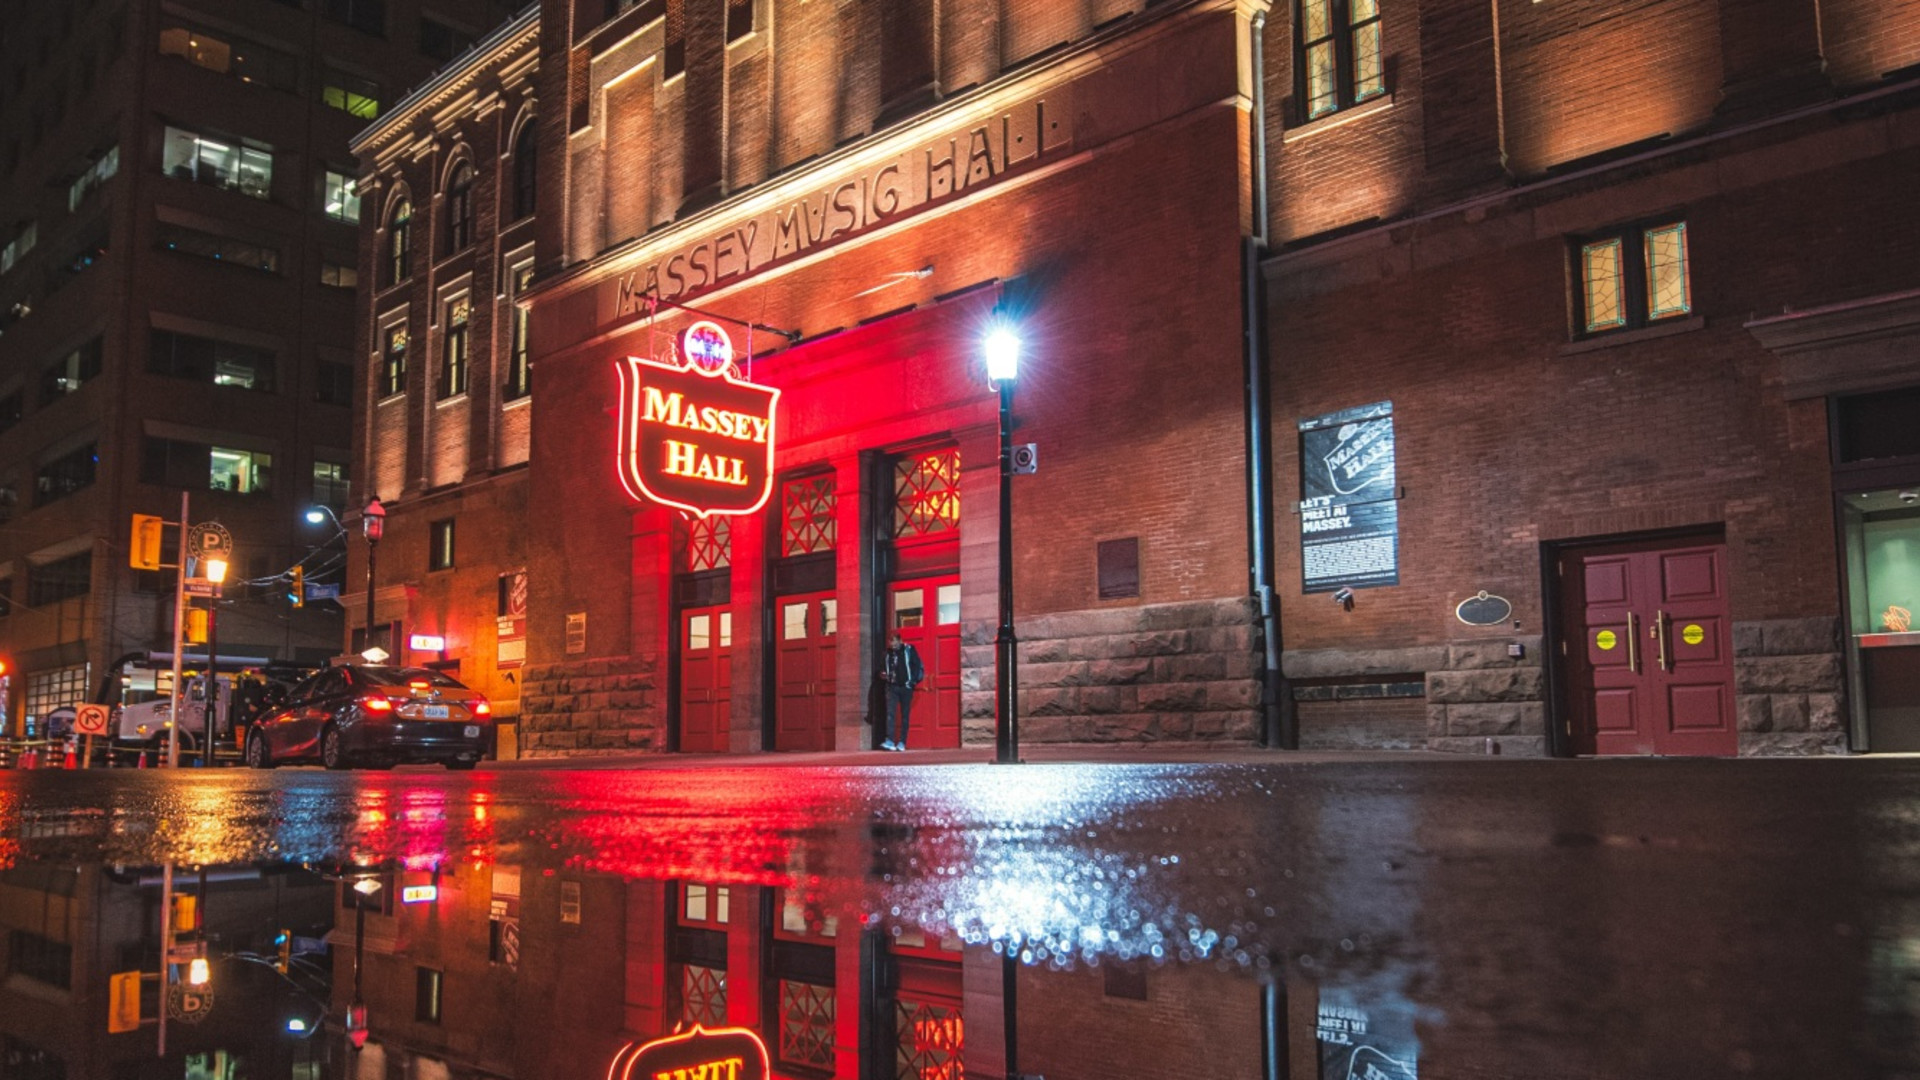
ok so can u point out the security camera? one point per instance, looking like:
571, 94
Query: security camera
1343, 596
1910, 497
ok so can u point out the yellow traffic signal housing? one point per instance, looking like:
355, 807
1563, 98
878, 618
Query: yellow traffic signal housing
145, 554
123, 1002
196, 626
186, 913
285, 940
297, 590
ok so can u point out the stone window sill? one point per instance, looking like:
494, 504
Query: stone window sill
1629, 337
1337, 120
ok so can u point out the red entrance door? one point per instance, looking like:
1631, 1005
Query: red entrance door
926, 611
804, 671
706, 679
1650, 649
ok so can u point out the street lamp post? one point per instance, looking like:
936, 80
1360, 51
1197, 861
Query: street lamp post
373, 521
1003, 364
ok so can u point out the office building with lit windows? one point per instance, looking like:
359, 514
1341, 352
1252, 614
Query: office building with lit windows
177, 270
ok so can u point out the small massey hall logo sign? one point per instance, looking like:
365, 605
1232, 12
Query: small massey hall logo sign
700, 1054
693, 435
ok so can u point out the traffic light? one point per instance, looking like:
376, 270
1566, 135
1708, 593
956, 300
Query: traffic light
145, 553
297, 587
284, 940
196, 628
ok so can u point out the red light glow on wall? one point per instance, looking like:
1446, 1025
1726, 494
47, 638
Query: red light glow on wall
700, 1054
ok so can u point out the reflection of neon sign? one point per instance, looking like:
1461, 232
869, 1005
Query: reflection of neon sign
700, 1054
693, 435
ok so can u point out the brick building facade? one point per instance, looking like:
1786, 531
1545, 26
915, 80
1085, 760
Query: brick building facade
1442, 241
1539, 281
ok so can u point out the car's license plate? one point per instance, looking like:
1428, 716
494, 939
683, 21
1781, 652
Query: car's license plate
473, 731
435, 712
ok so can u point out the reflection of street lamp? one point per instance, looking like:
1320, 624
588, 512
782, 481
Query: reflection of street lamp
373, 522
1002, 349
366, 887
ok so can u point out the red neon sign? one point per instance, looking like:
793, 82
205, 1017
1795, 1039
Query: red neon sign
701, 1054
693, 435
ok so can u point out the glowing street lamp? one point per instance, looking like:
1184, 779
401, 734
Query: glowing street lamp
1002, 349
373, 524
197, 972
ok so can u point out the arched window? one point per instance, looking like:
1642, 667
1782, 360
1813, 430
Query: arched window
400, 244
460, 207
526, 172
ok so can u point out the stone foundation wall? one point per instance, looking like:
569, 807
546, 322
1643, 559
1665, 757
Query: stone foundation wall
593, 707
1184, 672
1788, 682
1482, 692
1452, 697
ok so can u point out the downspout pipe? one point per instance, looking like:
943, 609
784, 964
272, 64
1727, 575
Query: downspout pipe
1279, 728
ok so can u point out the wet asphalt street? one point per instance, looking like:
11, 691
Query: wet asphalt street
1587, 919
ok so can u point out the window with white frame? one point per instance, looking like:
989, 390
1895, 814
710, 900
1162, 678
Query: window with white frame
341, 198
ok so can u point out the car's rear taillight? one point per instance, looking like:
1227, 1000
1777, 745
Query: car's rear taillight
376, 703
481, 708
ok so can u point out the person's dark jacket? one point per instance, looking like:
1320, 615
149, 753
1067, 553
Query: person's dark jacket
903, 666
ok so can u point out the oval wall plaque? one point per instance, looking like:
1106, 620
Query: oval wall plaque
1483, 609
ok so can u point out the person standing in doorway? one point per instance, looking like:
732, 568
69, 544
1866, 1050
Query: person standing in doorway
903, 672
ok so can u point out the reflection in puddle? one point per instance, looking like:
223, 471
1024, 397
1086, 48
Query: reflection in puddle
1161, 922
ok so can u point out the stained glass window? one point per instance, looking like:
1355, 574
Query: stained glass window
453, 359
1601, 286
1369, 68
393, 375
1633, 276
806, 1025
1341, 55
400, 244
806, 514
705, 543
1668, 291
928, 1038
926, 494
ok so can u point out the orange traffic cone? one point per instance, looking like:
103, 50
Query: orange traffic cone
73, 759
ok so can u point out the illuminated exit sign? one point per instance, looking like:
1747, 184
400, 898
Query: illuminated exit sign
693, 434
419, 894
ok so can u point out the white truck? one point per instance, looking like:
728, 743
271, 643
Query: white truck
144, 724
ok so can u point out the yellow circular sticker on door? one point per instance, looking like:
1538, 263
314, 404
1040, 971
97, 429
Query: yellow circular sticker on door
1693, 634
1606, 640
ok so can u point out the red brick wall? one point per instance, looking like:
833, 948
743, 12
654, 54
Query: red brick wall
1580, 78
1865, 39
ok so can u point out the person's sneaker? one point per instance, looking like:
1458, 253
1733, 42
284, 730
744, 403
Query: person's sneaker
887, 744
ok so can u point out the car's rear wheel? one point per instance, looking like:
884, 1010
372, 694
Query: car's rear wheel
259, 756
333, 749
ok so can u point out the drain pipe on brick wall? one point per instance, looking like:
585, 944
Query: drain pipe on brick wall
1279, 727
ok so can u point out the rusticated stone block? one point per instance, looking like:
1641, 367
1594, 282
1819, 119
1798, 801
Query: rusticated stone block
1747, 639
1497, 684
1791, 743
1755, 712
1520, 746
1106, 699
1046, 701
1197, 667
1050, 674
1789, 712
1042, 729
1173, 696
1043, 651
1814, 673
1163, 643
1336, 663
1232, 695
1119, 672
976, 704
1786, 637
1825, 712
1436, 721
1468, 655
1497, 718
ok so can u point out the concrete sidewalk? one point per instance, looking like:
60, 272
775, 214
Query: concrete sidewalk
1042, 754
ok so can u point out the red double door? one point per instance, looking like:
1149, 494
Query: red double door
706, 679
926, 611
1650, 649
807, 628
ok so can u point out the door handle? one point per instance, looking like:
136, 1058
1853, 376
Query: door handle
1633, 643
1660, 637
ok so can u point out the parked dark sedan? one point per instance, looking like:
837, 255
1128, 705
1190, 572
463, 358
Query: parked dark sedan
373, 715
